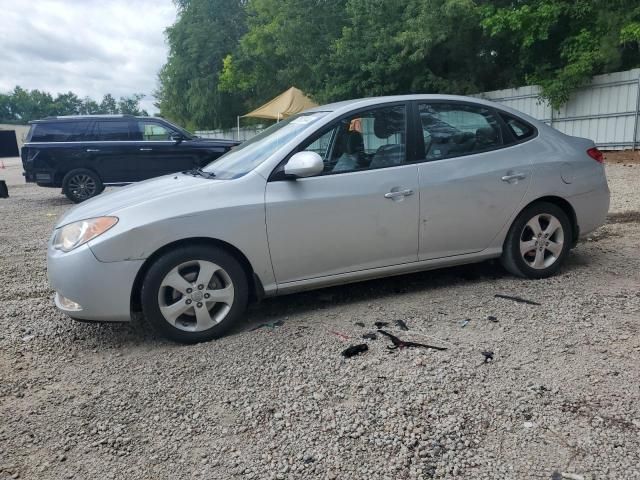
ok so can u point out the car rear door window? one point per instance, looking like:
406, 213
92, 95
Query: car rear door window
371, 139
451, 130
58, 132
111, 131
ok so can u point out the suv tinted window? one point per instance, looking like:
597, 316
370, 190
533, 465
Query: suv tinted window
519, 129
58, 132
451, 130
110, 130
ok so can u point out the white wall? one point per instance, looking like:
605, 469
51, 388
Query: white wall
605, 111
21, 131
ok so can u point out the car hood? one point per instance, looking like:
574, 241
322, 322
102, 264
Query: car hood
136, 194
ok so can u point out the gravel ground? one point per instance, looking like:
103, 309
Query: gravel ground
560, 397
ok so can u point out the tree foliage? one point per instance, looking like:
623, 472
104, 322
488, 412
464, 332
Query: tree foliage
21, 105
204, 34
231, 59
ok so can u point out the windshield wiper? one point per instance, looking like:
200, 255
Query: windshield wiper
198, 172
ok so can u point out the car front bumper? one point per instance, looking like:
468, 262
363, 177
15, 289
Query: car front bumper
102, 290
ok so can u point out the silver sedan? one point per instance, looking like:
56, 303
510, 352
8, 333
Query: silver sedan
341, 193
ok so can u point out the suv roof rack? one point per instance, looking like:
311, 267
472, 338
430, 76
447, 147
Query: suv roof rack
62, 117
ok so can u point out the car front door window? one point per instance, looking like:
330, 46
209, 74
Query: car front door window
364, 141
154, 132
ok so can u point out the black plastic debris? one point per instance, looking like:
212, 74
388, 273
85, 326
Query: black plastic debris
556, 475
397, 343
493, 319
488, 355
370, 336
270, 325
354, 350
381, 324
402, 325
517, 299
4, 191
360, 324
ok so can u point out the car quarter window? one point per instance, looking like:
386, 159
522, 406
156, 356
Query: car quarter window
153, 131
366, 140
111, 131
451, 129
519, 129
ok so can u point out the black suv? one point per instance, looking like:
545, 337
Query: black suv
82, 154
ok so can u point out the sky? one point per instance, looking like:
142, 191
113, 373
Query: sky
89, 47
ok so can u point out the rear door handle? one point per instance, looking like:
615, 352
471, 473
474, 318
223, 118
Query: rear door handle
93, 149
146, 149
399, 193
514, 176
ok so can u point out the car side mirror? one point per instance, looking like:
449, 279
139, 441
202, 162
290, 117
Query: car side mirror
304, 164
177, 137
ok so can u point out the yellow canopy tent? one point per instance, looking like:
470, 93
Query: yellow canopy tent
284, 105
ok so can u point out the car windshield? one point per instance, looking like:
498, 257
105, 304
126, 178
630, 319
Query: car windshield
242, 159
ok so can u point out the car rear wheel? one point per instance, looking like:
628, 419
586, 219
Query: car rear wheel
194, 294
538, 241
81, 184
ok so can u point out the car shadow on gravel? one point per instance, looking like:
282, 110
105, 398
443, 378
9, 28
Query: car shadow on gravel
371, 290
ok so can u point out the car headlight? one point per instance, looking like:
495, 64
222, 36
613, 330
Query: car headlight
78, 233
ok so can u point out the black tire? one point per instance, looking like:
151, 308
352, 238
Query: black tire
517, 263
153, 291
81, 184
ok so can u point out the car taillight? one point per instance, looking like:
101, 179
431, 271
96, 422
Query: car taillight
596, 154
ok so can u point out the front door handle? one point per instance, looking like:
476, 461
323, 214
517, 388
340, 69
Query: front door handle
93, 150
399, 193
514, 176
146, 149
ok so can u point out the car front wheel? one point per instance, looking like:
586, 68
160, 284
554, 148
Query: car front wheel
538, 241
194, 293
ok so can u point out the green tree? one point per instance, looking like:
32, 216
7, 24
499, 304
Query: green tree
108, 105
288, 43
561, 44
22, 106
205, 32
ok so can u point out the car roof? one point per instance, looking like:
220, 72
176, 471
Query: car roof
348, 105
75, 118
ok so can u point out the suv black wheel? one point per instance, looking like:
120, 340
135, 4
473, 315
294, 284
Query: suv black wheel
194, 293
538, 241
81, 184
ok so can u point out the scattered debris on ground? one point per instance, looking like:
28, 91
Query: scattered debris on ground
354, 350
269, 325
488, 356
370, 336
402, 325
517, 299
399, 344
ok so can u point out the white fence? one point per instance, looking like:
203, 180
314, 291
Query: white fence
606, 111
245, 133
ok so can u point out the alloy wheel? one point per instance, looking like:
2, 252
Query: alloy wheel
541, 241
82, 186
196, 295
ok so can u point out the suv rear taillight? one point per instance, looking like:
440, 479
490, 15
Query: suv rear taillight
596, 154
